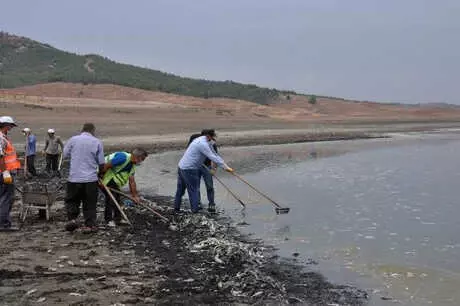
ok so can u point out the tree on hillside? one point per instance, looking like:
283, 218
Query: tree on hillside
27, 62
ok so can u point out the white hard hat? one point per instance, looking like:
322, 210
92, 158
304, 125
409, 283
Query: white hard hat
7, 120
51, 131
26, 130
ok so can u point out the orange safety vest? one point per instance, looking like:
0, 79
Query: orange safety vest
10, 158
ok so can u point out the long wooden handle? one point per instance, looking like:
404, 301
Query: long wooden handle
256, 190
25, 157
225, 186
231, 192
116, 203
60, 161
145, 206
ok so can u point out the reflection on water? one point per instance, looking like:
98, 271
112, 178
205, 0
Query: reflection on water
384, 217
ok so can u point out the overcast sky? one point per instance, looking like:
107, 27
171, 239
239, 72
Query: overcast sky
384, 50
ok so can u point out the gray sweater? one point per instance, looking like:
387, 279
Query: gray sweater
52, 145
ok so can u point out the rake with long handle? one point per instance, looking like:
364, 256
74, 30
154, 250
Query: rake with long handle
116, 202
278, 208
226, 187
145, 206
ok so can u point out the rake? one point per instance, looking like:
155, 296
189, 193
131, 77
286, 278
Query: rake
226, 187
171, 226
116, 202
278, 208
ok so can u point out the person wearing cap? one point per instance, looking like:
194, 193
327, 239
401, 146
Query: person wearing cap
31, 150
207, 170
188, 173
9, 164
86, 162
52, 145
119, 170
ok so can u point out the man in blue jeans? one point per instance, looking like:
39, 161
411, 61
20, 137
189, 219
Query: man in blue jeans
188, 173
206, 172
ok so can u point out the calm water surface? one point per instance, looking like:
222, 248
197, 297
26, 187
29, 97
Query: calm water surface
379, 214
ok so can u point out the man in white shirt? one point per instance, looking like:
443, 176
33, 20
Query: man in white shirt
188, 173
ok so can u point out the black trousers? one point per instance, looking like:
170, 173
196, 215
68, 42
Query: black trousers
52, 161
31, 165
111, 211
82, 193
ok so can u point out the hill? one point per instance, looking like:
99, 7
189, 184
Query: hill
27, 62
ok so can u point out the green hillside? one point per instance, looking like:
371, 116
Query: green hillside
26, 62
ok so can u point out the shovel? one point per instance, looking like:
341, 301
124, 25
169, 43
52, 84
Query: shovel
60, 161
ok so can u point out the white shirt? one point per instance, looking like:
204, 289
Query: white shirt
196, 153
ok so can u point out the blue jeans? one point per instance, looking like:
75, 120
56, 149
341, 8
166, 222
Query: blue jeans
208, 182
6, 202
188, 179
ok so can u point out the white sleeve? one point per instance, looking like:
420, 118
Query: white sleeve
67, 148
206, 150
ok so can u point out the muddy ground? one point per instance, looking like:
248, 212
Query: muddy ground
201, 260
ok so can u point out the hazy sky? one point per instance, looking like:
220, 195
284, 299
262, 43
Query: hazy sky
385, 50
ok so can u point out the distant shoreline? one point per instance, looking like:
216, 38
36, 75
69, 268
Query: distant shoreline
162, 143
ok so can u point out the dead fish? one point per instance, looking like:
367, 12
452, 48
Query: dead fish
218, 260
259, 293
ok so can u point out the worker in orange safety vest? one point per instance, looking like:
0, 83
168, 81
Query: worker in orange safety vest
9, 164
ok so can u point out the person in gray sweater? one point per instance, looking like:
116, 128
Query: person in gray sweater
53, 147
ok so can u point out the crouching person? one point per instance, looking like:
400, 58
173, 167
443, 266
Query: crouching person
119, 170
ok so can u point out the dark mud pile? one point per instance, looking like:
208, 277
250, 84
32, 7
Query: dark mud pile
201, 260
206, 261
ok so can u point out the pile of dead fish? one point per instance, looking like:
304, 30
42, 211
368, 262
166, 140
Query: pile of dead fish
207, 261
237, 265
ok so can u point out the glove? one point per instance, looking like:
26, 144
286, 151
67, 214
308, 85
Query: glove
7, 178
128, 203
228, 169
137, 199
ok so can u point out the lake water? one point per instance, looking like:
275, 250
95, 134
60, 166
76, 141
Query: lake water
379, 214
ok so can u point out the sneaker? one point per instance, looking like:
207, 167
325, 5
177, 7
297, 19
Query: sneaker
111, 224
122, 223
89, 229
71, 226
9, 229
212, 208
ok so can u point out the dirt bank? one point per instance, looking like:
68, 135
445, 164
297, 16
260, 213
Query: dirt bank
160, 143
205, 261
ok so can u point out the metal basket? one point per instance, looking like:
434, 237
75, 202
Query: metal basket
37, 196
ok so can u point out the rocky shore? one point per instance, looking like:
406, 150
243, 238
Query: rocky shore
201, 260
